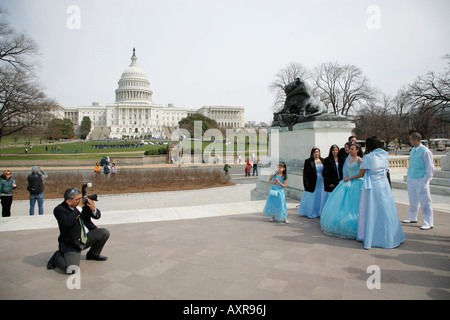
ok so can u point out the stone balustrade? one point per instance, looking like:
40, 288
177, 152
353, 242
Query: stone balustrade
403, 161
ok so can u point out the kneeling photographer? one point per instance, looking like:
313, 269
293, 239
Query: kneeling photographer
77, 231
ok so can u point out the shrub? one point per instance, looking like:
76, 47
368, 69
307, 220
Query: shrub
156, 151
125, 181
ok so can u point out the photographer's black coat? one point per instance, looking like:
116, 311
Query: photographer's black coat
70, 230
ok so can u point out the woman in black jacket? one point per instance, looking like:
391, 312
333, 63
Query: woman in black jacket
331, 176
314, 196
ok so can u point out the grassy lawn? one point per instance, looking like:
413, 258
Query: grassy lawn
9, 141
81, 147
79, 156
85, 150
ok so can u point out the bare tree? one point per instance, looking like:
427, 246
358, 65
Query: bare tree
432, 91
343, 87
326, 80
286, 75
380, 119
422, 106
16, 49
402, 104
23, 102
425, 120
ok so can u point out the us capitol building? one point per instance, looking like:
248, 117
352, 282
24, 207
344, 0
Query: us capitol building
134, 112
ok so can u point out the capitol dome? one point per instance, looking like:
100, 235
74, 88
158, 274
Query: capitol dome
134, 86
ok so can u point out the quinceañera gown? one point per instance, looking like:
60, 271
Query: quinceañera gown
378, 225
339, 216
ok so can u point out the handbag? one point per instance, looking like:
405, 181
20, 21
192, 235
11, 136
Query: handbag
273, 193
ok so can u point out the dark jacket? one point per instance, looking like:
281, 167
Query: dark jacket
341, 159
330, 174
35, 183
69, 226
310, 174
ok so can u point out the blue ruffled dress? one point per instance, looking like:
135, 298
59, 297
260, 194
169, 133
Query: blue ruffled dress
276, 204
378, 225
312, 202
340, 213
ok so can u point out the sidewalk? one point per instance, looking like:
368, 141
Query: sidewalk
150, 206
160, 206
440, 202
169, 247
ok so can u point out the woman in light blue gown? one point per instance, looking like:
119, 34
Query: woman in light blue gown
340, 213
275, 207
314, 196
378, 224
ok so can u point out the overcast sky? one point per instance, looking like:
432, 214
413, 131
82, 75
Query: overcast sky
226, 52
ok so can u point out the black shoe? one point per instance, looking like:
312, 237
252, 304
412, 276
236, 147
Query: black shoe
51, 263
96, 258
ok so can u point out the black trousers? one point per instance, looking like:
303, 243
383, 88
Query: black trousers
6, 205
96, 241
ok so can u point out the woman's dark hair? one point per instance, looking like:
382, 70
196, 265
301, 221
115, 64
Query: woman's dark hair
281, 163
330, 154
358, 147
312, 152
372, 143
347, 144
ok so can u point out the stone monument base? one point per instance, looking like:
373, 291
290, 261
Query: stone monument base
445, 162
293, 145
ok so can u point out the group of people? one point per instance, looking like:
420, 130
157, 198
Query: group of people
35, 188
77, 231
351, 192
249, 166
104, 163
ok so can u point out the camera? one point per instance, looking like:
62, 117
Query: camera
93, 197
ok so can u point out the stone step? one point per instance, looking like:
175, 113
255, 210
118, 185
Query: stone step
441, 174
440, 182
109, 217
434, 189
100, 133
440, 178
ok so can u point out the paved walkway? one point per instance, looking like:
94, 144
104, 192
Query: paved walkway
165, 246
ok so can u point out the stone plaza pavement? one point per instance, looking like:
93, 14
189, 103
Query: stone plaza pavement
164, 245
